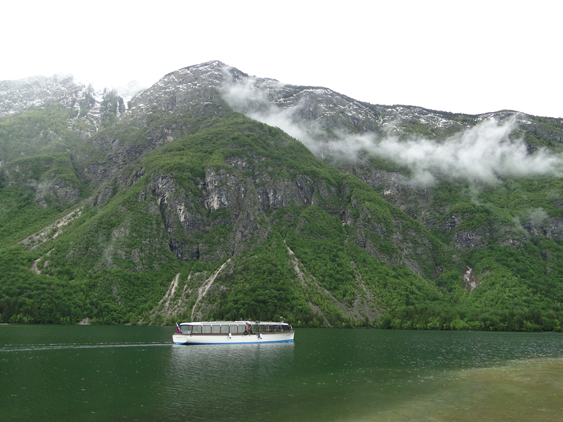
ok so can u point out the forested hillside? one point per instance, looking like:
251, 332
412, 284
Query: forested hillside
217, 195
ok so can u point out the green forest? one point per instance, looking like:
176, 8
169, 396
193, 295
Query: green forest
96, 230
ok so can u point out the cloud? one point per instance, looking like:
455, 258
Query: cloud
243, 95
254, 98
483, 153
537, 216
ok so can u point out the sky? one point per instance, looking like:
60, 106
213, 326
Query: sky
467, 57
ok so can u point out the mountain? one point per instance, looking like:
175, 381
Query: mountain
218, 195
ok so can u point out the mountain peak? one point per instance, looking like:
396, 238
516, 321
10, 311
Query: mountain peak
210, 66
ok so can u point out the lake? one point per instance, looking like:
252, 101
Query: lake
120, 373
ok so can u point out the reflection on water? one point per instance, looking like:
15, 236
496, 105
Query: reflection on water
224, 382
65, 373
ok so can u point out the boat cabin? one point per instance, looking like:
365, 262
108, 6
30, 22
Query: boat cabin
234, 327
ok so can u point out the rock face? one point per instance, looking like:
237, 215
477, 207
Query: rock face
469, 280
18, 96
89, 109
229, 215
54, 190
50, 178
206, 91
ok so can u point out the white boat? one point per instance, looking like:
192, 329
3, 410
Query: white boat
233, 332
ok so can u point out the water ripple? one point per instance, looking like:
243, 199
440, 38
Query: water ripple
66, 346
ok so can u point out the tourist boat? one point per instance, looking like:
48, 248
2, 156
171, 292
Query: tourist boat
233, 332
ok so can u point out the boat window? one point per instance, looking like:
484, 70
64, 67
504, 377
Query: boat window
185, 329
224, 329
206, 329
241, 328
216, 329
197, 329
233, 329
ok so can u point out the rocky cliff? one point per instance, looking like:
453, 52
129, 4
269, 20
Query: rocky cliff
216, 194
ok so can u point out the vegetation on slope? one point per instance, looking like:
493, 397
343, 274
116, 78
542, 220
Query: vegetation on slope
284, 234
38, 131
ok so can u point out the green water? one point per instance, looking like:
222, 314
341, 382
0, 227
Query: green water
116, 373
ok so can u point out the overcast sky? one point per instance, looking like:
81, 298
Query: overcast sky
470, 57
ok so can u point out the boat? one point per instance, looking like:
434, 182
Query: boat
233, 332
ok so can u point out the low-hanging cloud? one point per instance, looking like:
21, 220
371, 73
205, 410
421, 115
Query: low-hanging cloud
483, 153
254, 98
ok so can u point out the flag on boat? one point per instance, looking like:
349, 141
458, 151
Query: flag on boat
178, 329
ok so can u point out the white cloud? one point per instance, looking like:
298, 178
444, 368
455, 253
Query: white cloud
482, 153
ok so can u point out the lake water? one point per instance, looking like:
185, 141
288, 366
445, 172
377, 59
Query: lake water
120, 373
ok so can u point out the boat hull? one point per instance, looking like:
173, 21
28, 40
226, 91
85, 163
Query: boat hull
187, 339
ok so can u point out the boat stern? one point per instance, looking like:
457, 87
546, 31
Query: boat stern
179, 338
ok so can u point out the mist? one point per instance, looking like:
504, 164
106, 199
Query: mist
484, 153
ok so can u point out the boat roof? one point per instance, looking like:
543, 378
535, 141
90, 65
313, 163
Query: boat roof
234, 323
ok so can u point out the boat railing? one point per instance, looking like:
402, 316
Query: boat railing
234, 329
